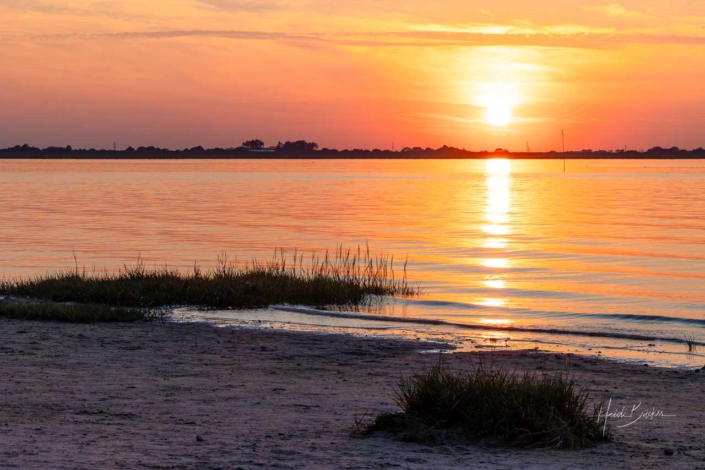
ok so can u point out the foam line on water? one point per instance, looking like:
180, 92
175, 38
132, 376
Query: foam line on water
527, 312
473, 326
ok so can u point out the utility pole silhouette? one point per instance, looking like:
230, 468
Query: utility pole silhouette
114, 146
563, 139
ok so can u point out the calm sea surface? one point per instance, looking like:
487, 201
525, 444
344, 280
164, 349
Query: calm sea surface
608, 258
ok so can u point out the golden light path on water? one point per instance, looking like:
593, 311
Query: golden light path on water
498, 216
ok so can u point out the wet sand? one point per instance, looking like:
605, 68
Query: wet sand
183, 396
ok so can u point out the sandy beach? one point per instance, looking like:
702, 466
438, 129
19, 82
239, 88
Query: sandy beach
180, 396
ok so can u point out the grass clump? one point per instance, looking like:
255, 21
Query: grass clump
691, 343
82, 313
347, 278
525, 410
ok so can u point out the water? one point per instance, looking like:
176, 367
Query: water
608, 257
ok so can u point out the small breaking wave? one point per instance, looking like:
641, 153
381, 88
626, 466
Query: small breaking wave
543, 314
476, 326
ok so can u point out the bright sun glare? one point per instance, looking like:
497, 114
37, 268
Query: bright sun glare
499, 99
498, 167
499, 114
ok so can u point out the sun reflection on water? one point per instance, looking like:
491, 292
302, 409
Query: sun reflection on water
497, 213
493, 302
495, 243
496, 263
496, 283
499, 166
495, 321
496, 229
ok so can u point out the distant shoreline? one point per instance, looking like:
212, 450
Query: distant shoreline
302, 150
352, 156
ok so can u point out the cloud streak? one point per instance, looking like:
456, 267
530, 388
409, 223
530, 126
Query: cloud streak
615, 10
246, 5
97, 8
404, 38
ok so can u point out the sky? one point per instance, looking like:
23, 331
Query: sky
353, 74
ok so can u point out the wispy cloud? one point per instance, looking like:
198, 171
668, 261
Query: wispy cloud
616, 10
229, 34
410, 38
608, 39
518, 27
97, 10
247, 5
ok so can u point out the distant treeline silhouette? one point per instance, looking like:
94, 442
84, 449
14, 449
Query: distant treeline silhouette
256, 148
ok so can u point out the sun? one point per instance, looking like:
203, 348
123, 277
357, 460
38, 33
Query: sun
499, 100
498, 114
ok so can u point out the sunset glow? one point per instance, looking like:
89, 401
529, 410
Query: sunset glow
499, 99
352, 75
292, 233
499, 114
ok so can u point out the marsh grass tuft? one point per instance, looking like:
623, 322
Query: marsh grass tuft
691, 343
525, 410
81, 313
345, 278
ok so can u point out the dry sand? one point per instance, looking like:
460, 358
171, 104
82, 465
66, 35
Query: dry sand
138, 395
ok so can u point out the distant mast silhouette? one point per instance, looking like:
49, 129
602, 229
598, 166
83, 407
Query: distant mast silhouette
563, 139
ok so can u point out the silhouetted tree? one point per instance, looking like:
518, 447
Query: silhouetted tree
253, 144
298, 146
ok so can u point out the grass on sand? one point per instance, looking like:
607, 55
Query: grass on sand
524, 410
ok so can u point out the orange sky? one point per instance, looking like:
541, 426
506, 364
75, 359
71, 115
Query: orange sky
348, 74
